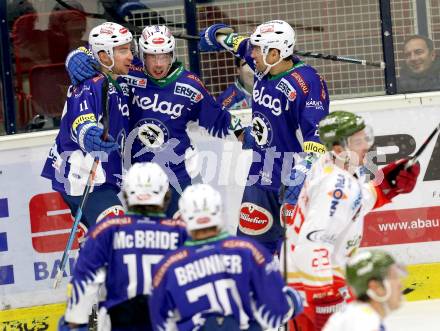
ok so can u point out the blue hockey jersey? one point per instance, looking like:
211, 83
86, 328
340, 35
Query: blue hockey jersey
286, 110
235, 97
120, 253
160, 113
68, 164
221, 276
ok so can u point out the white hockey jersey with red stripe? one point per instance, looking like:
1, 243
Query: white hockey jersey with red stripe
327, 224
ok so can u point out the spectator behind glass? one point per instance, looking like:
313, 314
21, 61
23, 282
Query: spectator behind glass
421, 70
239, 94
66, 28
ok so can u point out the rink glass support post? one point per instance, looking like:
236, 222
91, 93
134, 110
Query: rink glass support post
387, 46
422, 18
191, 29
6, 71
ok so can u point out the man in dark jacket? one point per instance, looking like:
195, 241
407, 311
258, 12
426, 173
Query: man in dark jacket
421, 70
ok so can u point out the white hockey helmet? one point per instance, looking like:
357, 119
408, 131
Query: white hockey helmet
156, 39
145, 184
200, 207
274, 34
106, 36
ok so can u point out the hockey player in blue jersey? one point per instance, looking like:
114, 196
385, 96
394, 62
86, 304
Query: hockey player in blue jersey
217, 281
164, 99
239, 94
80, 137
119, 253
289, 99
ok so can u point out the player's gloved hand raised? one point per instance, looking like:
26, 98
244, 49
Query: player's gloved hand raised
93, 141
295, 301
81, 66
208, 37
65, 326
395, 180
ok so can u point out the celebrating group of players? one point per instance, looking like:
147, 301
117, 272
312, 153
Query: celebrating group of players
167, 262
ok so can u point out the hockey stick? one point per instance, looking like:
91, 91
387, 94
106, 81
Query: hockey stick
404, 166
89, 185
314, 55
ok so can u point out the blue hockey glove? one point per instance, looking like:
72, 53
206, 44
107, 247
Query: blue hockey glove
294, 300
208, 40
248, 138
64, 326
296, 181
92, 141
81, 65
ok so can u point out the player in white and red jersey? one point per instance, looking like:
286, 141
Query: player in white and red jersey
327, 224
376, 279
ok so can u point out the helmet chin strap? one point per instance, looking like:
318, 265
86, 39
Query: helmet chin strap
269, 66
110, 67
351, 168
383, 300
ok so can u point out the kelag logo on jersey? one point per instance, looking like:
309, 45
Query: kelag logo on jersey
261, 130
156, 105
268, 101
152, 133
188, 91
288, 90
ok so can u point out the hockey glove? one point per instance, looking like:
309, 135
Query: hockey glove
81, 65
295, 301
65, 326
92, 141
208, 37
248, 138
396, 180
296, 180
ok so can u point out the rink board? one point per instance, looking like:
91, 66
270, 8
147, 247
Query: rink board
423, 282
35, 318
34, 224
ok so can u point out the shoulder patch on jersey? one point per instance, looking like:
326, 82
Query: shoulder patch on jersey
301, 82
105, 224
175, 257
188, 91
197, 79
239, 243
82, 119
172, 222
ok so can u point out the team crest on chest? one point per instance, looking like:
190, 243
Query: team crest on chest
152, 133
262, 130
